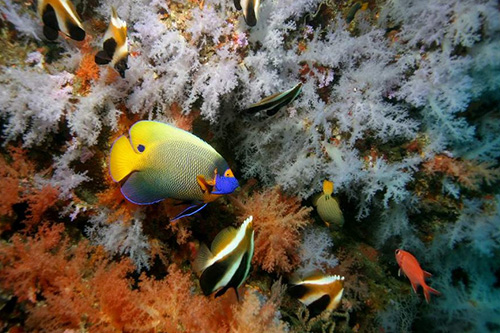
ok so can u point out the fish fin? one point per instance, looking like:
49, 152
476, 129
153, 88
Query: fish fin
193, 209
315, 199
102, 58
427, 293
223, 238
139, 190
207, 186
237, 4
249, 13
327, 187
427, 274
414, 286
294, 279
74, 31
399, 272
123, 159
202, 258
237, 294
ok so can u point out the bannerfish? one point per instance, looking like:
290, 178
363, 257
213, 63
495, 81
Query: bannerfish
272, 104
158, 161
115, 46
250, 10
411, 268
60, 15
328, 207
227, 264
318, 292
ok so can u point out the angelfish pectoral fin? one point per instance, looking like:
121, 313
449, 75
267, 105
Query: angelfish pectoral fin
189, 211
207, 186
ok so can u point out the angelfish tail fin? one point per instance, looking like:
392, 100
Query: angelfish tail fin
427, 292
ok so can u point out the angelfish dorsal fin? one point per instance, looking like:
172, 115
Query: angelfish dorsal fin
223, 239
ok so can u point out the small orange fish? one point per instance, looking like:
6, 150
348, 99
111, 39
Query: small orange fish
411, 268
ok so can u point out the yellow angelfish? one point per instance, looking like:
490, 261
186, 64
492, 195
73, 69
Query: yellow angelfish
159, 161
328, 207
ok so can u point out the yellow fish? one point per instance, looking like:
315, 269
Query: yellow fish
227, 264
328, 207
318, 292
115, 46
159, 161
60, 15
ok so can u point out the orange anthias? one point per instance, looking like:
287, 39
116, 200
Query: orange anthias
411, 268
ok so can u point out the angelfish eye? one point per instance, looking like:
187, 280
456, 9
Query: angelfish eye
140, 148
228, 173
397, 251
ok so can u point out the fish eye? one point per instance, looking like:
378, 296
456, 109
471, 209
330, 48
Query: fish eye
397, 251
228, 173
141, 148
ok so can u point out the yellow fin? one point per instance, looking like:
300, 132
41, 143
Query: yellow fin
328, 187
123, 159
223, 239
203, 258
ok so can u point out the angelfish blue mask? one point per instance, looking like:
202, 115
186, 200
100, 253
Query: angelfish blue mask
226, 183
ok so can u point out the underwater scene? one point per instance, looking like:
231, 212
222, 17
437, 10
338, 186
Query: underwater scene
249, 166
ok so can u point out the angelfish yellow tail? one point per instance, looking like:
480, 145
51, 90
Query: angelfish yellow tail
123, 159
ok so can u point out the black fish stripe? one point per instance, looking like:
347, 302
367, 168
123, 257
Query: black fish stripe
75, 32
299, 291
49, 17
110, 46
237, 4
102, 58
250, 18
319, 305
212, 275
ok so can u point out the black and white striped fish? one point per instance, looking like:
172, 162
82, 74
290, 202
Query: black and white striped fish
60, 15
318, 292
272, 104
227, 264
115, 46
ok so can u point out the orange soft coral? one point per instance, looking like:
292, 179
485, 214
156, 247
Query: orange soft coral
277, 220
67, 286
469, 173
88, 71
13, 174
17, 185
